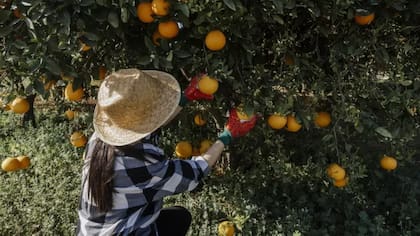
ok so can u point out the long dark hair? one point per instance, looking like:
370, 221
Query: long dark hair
101, 173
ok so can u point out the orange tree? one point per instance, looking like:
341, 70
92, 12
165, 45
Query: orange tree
355, 60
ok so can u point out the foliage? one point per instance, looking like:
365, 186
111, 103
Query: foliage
285, 56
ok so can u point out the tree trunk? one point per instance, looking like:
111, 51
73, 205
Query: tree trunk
30, 116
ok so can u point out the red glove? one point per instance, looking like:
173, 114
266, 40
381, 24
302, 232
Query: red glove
238, 127
192, 92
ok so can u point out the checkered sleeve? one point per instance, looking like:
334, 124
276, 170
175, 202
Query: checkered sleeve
178, 176
163, 177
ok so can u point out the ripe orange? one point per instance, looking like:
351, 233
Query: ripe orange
69, 114
84, 47
168, 29
17, 13
156, 37
24, 162
323, 119
288, 60
388, 163
160, 7
198, 120
73, 95
49, 84
78, 139
336, 172
183, 149
10, 164
226, 228
361, 19
205, 145
215, 40
144, 12
341, 182
292, 124
195, 151
208, 85
101, 72
276, 121
20, 105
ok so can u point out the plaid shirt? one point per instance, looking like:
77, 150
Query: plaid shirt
139, 187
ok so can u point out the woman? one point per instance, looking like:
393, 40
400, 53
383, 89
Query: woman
126, 175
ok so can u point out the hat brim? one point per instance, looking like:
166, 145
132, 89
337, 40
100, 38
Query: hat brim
166, 104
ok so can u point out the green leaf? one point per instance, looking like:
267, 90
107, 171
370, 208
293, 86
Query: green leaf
125, 15
4, 15
278, 5
85, 3
384, 132
20, 44
182, 54
52, 66
183, 8
91, 36
230, 4
144, 60
113, 19
4, 31
29, 23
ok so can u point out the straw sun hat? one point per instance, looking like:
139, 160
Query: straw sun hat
132, 104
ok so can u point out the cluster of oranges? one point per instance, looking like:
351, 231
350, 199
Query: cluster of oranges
15, 163
185, 149
277, 121
19, 105
169, 28
338, 174
340, 178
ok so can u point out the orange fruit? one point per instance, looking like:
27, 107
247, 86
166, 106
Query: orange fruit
101, 72
183, 149
276, 121
69, 114
215, 40
73, 95
288, 60
292, 124
17, 13
20, 105
341, 182
208, 85
242, 115
195, 151
168, 29
49, 84
156, 37
205, 145
10, 164
7, 107
160, 7
362, 19
198, 120
388, 163
24, 162
226, 228
322, 119
78, 139
336, 172
144, 12
84, 47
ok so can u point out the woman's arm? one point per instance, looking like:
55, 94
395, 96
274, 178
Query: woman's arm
214, 153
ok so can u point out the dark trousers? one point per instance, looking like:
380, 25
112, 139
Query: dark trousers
173, 221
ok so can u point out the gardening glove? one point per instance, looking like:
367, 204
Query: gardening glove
236, 127
192, 93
